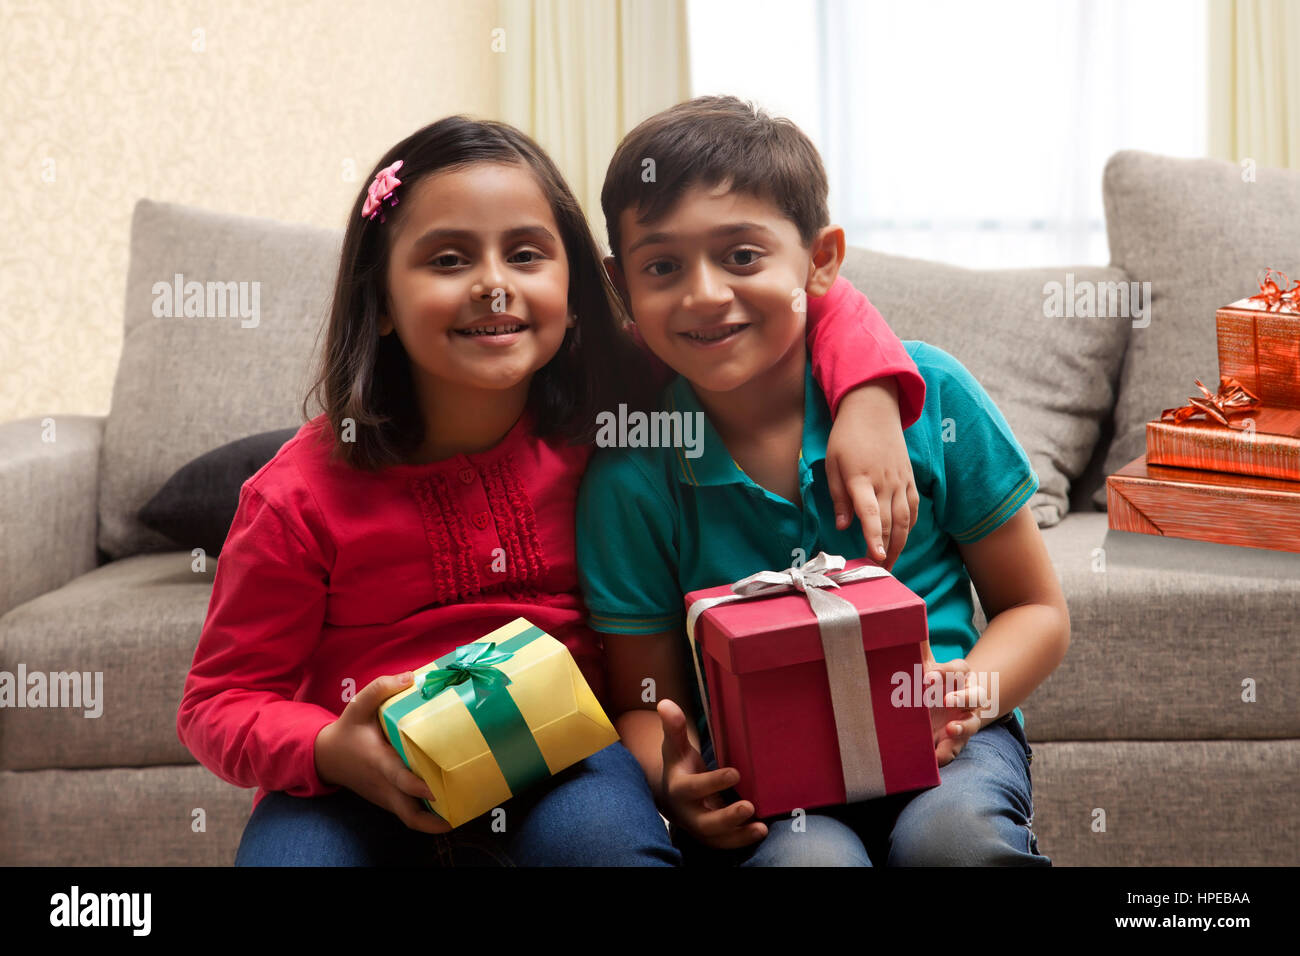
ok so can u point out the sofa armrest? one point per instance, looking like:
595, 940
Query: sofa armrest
49, 504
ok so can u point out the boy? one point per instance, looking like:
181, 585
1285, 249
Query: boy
731, 183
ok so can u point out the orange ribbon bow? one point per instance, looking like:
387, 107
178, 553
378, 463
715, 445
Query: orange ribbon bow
1277, 297
1231, 398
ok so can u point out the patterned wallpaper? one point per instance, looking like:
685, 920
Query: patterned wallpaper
260, 109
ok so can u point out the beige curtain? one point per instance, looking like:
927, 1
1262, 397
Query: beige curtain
1254, 81
579, 74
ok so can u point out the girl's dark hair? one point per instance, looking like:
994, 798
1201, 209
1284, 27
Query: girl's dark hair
366, 377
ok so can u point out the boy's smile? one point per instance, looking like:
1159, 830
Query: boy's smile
713, 286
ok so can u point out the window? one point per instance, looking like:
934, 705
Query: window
968, 133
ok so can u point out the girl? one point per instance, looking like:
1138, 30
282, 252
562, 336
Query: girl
472, 331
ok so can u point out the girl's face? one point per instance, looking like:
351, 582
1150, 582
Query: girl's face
478, 281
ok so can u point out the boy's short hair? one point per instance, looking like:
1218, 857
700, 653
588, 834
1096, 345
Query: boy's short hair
707, 141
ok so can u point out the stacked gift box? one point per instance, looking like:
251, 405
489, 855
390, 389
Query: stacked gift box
1225, 467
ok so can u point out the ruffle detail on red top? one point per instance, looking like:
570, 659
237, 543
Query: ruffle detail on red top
455, 577
455, 567
516, 524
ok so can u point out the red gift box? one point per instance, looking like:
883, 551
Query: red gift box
772, 704
1204, 505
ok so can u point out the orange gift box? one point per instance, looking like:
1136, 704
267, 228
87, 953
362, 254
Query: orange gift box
1259, 346
1204, 505
1263, 442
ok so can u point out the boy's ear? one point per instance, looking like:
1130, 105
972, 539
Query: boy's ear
827, 256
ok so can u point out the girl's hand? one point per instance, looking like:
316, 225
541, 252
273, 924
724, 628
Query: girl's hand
953, 724
691, 790
869, 471
353, 752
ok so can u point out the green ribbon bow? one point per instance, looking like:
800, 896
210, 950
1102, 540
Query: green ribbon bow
471, 669
475, 663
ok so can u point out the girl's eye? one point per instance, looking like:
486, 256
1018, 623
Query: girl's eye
747, 252
537, 256
652, 266
441, 260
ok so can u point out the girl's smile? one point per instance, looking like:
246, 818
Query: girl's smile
497, 332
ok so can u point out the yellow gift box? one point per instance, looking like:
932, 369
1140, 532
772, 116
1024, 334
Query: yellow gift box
494, 717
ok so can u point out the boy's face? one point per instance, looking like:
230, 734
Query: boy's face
714, 284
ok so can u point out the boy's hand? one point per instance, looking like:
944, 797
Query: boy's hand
869, 470
953, 724
691, 790
353, 752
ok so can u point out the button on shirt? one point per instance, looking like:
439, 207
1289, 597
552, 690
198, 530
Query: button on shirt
654, 524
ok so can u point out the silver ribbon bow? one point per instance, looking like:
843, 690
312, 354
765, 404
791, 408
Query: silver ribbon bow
846, 661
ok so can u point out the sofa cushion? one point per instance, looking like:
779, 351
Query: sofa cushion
197, 505
186, 385
1210, 803
136, 622
122, 816
1166, 637
1054, 379
1200, 232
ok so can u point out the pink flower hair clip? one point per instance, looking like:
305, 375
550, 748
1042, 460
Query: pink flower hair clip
382, 188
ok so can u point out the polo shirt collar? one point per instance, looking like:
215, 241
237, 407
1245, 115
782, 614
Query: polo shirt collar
715, 466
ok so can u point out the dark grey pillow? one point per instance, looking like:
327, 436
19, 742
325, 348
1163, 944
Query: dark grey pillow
1053, 379
197, 504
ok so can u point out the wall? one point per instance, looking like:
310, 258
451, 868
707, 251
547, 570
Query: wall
258, 109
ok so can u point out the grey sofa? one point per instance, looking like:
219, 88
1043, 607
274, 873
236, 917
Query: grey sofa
1169, 735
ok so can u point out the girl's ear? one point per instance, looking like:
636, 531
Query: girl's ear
385, 324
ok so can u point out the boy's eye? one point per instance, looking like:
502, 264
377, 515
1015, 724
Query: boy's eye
747, 252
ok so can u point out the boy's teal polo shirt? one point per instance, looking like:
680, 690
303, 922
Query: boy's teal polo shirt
654, 524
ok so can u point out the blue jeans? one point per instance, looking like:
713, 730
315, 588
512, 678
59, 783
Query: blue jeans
979, 815
599, 812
